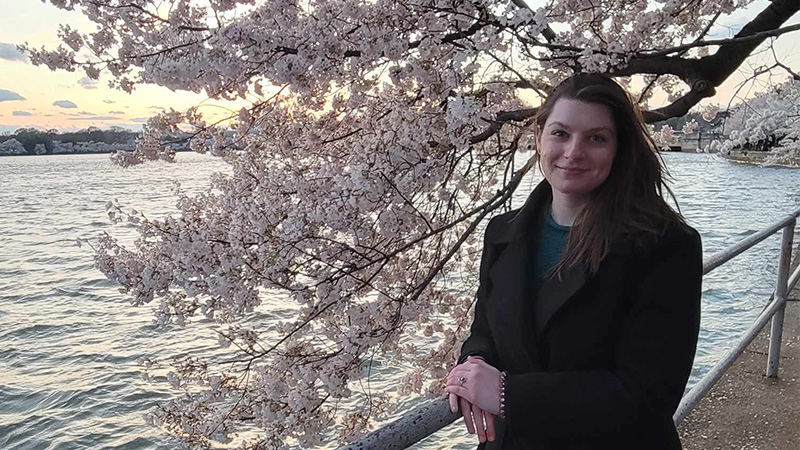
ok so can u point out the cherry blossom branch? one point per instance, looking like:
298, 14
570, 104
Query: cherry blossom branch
756, 37
501, 119
509, 191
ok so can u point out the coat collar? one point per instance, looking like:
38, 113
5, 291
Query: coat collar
520, 225
512, 272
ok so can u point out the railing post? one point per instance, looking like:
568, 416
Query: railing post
776, 330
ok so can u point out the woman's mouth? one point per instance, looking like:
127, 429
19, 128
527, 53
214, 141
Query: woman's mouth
572, 170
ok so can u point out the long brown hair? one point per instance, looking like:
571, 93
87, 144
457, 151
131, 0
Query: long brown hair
629, 203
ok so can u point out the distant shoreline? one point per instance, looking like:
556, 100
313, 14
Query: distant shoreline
753, 159
81, 153
61, 154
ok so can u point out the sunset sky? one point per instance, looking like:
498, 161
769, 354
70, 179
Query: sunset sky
35, 96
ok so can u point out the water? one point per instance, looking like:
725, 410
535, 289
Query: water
69, 342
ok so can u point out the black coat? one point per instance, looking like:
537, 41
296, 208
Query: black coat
594, 361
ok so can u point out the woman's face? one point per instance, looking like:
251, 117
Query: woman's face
577, 146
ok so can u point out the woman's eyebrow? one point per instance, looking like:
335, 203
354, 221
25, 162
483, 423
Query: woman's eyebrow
563, 125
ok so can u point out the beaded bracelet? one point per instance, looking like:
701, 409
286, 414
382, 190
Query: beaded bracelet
503, 394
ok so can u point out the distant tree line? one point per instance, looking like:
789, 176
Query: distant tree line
31, 137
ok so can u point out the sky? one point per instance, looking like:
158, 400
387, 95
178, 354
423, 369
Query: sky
36, 96
69, 100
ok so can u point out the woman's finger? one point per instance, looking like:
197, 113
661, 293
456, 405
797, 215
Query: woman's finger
480, 428
491, 435
453, 402
456, 381
466, 411
458, 372
451, 371
460, 391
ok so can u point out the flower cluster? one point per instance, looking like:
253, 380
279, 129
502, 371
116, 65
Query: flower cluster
690, 127
665, 137
769, 122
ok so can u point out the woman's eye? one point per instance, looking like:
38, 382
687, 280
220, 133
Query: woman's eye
598, 138
559, 133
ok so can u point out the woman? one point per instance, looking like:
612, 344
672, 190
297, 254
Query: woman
588, 309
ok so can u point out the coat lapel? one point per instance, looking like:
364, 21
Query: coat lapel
554, 294
512, 281
512, 289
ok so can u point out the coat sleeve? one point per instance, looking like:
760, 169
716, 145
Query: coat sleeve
480, 341
652, 363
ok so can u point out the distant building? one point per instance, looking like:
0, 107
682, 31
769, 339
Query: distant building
700, 139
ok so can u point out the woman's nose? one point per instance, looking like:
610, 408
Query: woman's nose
573, 149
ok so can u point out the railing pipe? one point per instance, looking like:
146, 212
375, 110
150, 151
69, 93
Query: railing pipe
406, 431
781, 291
693, 397
729, 253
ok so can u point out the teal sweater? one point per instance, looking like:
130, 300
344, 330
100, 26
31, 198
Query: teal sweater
552, 241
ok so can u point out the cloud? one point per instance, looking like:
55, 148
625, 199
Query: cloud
21, 114
85, 113
94, 118
87, 83
7, 96
64, 104
109, 102
10, 52
140, 119
116, 112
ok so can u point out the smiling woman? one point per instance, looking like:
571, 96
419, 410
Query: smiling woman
577, 146
588, 308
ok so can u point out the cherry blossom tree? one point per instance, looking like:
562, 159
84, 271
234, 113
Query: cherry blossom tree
768, 122
379, 136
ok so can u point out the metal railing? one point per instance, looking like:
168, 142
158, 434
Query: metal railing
774, 311
435, 415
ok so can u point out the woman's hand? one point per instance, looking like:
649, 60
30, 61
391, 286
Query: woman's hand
476, 386
477, 382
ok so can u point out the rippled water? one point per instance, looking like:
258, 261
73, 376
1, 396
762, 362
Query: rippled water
69, 342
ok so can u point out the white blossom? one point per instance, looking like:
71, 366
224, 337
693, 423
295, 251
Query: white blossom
769, 122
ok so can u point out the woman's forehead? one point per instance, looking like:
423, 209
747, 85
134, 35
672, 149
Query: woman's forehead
580, 115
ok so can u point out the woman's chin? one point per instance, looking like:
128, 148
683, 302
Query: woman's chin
573, 189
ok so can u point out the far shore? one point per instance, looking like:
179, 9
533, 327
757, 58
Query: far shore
78, 153
59, 154
753, 159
